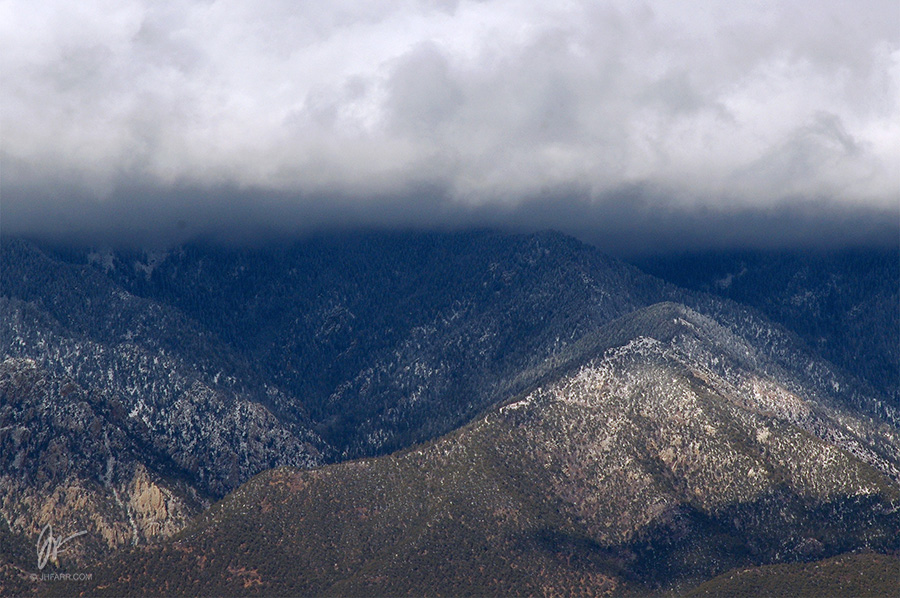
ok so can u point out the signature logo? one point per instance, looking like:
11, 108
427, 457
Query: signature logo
49, 546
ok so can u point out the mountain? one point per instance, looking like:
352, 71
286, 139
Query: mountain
67, 457
418, 331
658, 456
844, 303
137, 388
119, 415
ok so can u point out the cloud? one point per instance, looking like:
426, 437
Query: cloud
441, 112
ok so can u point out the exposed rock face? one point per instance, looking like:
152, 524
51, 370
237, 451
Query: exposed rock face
65, 464
71, 460
150, 505
119, 416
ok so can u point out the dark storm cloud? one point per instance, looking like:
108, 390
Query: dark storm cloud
670, 121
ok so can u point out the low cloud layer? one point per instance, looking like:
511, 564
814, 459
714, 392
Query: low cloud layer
186, 116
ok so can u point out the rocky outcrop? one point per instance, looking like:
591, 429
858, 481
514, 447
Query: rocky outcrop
66, 465
118, 416
70, 461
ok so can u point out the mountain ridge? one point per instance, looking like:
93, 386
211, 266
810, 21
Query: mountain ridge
157, 354
844, 303
557, 465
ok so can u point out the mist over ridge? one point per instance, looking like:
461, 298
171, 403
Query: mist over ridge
633, 126
628, 225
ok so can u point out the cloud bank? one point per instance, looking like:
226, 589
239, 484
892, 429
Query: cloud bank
134, 113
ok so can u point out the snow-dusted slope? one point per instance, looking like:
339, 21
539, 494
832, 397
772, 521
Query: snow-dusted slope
134, 388
652, 462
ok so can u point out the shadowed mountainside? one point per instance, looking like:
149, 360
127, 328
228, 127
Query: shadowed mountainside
137, 387
845, 304
658, 462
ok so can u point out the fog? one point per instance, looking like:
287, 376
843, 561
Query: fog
636, 126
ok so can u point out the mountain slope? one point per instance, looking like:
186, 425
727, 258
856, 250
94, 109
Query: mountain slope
194, 370
118, 415
653, 461
204, 366
845, 304
66, 461
418, 332
864, 575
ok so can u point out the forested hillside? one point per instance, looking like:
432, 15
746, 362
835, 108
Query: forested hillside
844, 303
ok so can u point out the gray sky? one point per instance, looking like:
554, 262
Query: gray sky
159, 115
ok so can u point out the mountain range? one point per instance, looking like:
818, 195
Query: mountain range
436, 413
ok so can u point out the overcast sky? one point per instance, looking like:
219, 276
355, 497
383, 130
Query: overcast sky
678, 118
